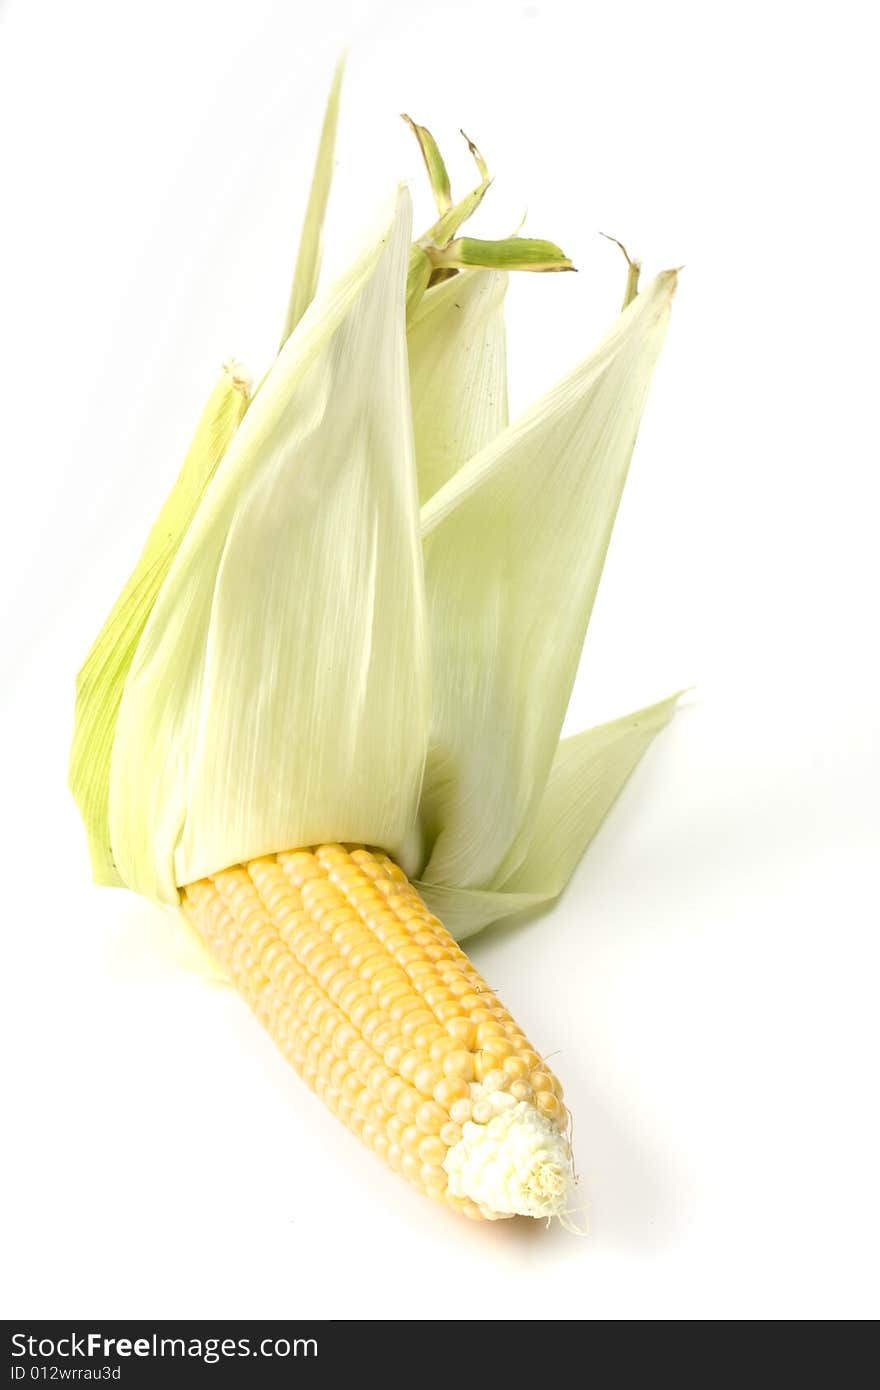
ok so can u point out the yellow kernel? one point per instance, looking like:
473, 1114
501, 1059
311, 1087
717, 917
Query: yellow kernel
394, 941
432, 1149
410, 1167
440, 1046
450, 1134
515, 1068
408, 1005
426, 1035
423, 971
358, 1006
436, 953
549, 1105
450, 1089
343, 1037
436, 994
457, 984
393, 994
460, 1111
416, 1019
365, 1104
407, 954
460, 1064
394, 1157
541, 1081
318, 1010
411, 1138
469, 1002
411, 1063
379, 1030
520, 1090
434, 1179
470, 1210
462, 1030
352, 1087
485, 1031
430, 1117
426, 1078
495, 1080
408, 1103
395, 1128
328, 972
483, 1064
447, 1010
391, 1091
482, 1112
371, 968
383, 977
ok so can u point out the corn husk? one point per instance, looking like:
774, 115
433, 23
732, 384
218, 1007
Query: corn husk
515, 545
100, 683
308, 261
367, 621
458, 374
588, 774
279, 695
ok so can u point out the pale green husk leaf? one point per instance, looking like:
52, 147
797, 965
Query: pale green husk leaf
515, 543
308, 261
588, 774
100, 683
279, 695
458, 374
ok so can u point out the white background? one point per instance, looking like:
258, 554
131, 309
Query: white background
708, 983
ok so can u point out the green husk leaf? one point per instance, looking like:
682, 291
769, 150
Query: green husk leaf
280, 694
511, 253
477, 158
444, 229
589, 772
308, 261
418, 277
100, 683
422, 270
437, 173
458, 375
515, 543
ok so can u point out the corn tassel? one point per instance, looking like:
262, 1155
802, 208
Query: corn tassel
383, 1015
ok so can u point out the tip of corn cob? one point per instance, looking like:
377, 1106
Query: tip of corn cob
516, 1164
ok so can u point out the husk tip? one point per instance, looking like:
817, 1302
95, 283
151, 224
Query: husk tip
239, 376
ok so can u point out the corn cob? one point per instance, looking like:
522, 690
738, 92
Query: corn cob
383, 1015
